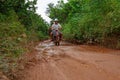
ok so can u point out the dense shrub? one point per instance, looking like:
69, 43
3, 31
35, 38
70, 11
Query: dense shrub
19, 27
89, 20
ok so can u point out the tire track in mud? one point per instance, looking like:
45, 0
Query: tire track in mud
80, 70
95, 62
65, 63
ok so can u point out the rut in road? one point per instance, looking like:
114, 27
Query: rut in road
71, 62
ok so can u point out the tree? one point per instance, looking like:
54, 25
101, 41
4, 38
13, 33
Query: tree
86, 20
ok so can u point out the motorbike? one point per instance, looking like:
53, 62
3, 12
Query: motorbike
56, 38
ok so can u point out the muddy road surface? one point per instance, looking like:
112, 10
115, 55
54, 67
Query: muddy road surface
73, 62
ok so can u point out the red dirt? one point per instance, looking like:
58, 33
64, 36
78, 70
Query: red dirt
71, 62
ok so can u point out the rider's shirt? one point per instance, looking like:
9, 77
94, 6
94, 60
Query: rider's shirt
56, 26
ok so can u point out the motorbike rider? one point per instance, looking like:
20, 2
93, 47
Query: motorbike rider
56, 26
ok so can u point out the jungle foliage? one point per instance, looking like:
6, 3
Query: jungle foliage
19, 26
89, 21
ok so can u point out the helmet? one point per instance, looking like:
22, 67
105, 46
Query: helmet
56, 19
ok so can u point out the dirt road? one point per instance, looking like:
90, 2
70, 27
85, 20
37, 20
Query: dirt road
71, 62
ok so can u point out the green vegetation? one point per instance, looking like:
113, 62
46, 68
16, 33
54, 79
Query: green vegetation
84, 21
89, 21
19, 26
